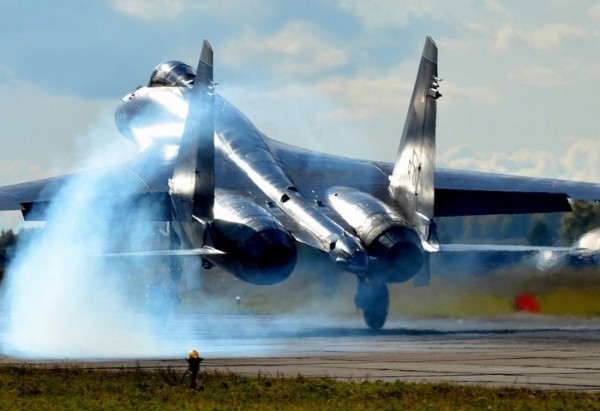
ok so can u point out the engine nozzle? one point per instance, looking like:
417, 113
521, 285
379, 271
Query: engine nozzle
399, 253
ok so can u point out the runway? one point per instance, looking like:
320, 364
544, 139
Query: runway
524, 351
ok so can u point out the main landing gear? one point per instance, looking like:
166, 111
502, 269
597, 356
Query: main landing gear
373, 298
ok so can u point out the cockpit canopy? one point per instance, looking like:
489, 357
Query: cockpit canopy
172, 74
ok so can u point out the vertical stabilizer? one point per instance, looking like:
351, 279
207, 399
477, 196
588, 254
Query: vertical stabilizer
193, 183
412, 181
192, 187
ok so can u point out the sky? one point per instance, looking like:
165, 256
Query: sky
520, 79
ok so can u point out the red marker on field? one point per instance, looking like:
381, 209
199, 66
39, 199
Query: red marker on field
527, 303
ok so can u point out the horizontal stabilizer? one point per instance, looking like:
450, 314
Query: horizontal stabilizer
463, 248
484, 258
206, 250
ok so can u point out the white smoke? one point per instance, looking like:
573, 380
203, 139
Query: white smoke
61, 297
590, 240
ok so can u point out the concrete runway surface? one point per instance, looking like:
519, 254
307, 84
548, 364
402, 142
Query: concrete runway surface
521, 350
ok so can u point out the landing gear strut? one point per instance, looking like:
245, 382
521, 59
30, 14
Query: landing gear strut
374, 299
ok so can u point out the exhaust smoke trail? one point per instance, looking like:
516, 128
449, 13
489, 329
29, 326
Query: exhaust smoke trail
590, 240
61, 298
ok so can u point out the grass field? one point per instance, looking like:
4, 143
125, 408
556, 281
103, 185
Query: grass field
558, 292
27, 387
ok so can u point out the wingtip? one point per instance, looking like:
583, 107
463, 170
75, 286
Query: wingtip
430, 50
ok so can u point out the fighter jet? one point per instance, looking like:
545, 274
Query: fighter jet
241, 201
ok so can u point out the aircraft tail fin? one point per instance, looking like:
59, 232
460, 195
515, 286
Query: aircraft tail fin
193, 184
412, 181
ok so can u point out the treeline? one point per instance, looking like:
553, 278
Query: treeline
8, 240
502, 229
527, 229
8, 243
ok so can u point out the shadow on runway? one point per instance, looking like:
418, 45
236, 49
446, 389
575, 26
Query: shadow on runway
407, 332
250, 327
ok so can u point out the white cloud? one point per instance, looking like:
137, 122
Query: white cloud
503, 37
550, 36
476, 94
231, 13
495, 7
475, 26
589, 69
360, 116
553, 35
6, 72
300, 49
595, 11
461, 44
44, 142
361, 97
11, 220
579, 162
382, 13
537, 76
149, 9
582, 160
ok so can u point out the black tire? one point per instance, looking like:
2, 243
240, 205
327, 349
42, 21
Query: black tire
374, 299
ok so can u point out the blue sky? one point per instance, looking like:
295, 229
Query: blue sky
521, 82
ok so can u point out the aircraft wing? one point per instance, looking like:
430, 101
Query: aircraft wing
457, 192
460, 193
17, 196
33, 197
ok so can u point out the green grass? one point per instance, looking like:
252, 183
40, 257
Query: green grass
29, 387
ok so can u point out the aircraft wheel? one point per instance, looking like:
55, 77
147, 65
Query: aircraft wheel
374, 299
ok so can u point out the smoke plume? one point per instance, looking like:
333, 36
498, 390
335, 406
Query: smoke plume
590, 240
62, 298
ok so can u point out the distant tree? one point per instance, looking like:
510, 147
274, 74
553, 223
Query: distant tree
444, 230
512, 229
488, 226
585, 217
7, 239
471, 228
495, 229
540, 234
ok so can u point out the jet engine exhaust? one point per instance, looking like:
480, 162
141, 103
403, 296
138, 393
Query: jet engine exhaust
265, 257
399, 252
387, 235
257, 247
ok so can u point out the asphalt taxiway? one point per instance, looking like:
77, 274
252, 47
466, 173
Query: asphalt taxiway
530, 351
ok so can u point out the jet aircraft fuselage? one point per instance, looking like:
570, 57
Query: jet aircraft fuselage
155, 116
